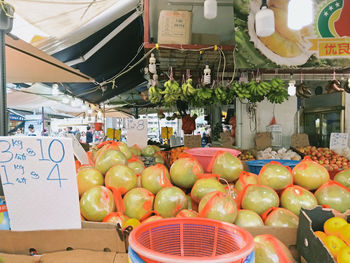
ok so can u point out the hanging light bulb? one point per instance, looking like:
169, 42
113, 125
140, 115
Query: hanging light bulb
291, 86
66, 99
210, 9
55, 90
300, 14
152, 64
89, 110
264, 21
207, 76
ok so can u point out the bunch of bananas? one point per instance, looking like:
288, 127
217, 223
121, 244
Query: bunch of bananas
241, 90
172, 92
261, 88
155, 95
187, 89
220, 94
278, 93
203, 96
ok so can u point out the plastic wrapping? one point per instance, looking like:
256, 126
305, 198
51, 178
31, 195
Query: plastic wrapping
206, 184
226, 165
169, 201
155, 177
245, 179
334, 195
138, 202
185, 171
280, 217
275, 175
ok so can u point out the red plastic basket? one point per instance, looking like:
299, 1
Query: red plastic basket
204, 155
195, 240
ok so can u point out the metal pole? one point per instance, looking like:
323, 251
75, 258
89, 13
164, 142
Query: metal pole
3, 105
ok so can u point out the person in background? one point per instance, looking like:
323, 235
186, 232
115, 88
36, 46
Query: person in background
70, 130
89, 136
83, 137
31, 131
77, 134
18, 132
45, 133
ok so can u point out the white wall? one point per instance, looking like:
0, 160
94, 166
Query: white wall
285, 114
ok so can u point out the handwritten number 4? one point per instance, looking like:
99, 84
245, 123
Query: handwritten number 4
55, 171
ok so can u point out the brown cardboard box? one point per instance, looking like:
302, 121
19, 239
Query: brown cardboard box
175, 27
310, 246
4, 258
192, 141
93, 236
300, 140
262, 140
205, 39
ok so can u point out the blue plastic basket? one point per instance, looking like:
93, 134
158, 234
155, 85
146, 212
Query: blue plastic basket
134, 258
255, 166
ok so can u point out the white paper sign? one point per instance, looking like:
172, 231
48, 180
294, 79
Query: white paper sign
79, 151
338, 141
137, 132
39, 181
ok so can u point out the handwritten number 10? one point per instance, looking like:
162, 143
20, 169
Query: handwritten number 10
50, 151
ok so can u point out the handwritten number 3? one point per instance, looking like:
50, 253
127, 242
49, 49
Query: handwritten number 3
5, 155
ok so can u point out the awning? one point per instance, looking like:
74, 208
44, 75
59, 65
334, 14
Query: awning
25, 63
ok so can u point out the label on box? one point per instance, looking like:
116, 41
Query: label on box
39, 181
137, 132
338, 141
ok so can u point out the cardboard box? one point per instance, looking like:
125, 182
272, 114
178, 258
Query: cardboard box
300, 140
102, 237
205, 39
192, 141
308, 245
175, 27
263, 140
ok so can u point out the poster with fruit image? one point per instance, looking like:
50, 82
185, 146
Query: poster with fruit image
325, 43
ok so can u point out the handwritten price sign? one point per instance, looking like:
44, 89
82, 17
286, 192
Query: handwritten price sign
338, 140
137, 132
39, 181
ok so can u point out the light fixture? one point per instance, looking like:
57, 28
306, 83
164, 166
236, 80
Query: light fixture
89, 110
152, 67
300, 14
291, 86
55, 90
264, 21
66, 99
210, 9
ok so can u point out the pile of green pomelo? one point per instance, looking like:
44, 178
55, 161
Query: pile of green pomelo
117, 188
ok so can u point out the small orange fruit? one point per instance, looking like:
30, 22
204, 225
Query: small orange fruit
334, 245
344, 255
344, 234
321, 235
333, 225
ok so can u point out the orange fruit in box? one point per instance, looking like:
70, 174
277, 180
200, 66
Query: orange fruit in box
344, 255
345, 234
321, 235
334, 245
333, 225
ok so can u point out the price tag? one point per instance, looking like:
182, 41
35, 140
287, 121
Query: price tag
338, 141
78, 150
166, 132
137, 132
39, 181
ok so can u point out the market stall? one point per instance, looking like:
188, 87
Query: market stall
225, 142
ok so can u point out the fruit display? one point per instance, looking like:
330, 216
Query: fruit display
116, 218
187, 213
148, 151
121, 177
245, 179
204, 186
226, 165
275, 175
282, 154
138, 202
96, 203
88, 178
136, 165
185, 171
343, 177
107, 158
335, 237
246, 155
176, 153
259, 198
199, 94
296, 197
219, 206
330, 159
309, 174
248, 218
280, 217
334, 195
154, 178
272, 250
169, 201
